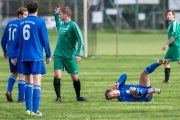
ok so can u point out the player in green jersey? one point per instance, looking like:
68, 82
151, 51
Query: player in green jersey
65, 53
173, 52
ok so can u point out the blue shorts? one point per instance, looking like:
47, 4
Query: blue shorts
18, 68
33, 67
13, 68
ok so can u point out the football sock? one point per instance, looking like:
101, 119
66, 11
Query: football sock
149, 69
167, 73
11, 82
28, 96
122, 79
36, 97
21, 90
77, 87
57, 86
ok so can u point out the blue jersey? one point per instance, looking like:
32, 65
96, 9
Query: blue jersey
8, 37
31, 37
125, 95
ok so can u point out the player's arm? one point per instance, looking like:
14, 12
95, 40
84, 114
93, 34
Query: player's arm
4, 41
120, 81
15, 48
57, 19
45, 41
79, 38
174, 35
133, 92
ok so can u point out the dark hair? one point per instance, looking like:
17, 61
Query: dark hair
66, 10
107, 94
32, 6
21, 11
172, 11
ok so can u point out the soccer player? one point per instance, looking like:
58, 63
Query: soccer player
31, 38
6, 43
65, 54
173, 53
142, 92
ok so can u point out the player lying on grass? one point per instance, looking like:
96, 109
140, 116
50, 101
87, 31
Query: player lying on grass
142, 92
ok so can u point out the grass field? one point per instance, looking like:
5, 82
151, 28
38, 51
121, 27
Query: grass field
136, 51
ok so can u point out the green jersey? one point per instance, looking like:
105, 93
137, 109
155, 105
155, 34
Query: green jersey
69, 35
174, 31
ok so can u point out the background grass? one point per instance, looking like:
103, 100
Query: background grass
136, 51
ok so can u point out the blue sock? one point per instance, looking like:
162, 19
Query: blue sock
151, 68
21, 89
28, 96
36, 97
11, 82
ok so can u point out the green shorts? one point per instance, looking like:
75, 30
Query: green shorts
173, 54
68, 63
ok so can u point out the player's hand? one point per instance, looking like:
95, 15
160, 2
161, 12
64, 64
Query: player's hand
14, 61
48, 60
164, 47
57, 9
78, 59
115, 86
5, 55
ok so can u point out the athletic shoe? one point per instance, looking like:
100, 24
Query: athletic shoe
58, 99
161, 61
20, 101
81, 99
38, 113
28, 112
9, 97
157, 90
166, 81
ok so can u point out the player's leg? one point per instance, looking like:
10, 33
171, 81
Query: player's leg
144, 79
28, 93
11, 81
167, 67
21, 88
37, 75
72, 68
21, 83
27, 71
58, 67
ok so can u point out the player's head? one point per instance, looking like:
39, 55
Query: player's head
170, 15
111, 94
65, 13
22, 12
32, 6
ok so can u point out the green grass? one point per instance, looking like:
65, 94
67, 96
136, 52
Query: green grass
97, 75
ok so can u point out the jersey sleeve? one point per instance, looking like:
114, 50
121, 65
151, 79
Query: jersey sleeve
175, 29
58, 21
79, 38
122, 79
4, 41
15, 45
45, 40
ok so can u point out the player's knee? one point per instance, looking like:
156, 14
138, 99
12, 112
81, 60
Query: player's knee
57, 74
21, 77
75, 77
14, 74
178, 62
143, 73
